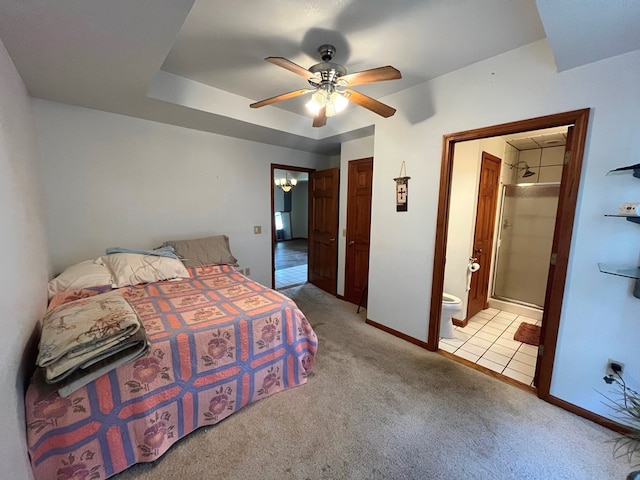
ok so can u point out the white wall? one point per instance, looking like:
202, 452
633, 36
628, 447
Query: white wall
351, 150
600, 316
24, 278
114, 180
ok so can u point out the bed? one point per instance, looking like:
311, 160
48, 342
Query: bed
218, 341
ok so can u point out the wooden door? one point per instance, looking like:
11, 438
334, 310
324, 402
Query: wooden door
358, 230
483, 236
323, 229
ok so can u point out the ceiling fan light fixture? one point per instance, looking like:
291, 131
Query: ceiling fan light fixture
334, 102
318, 100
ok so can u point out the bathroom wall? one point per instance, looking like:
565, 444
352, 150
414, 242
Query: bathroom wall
545, 162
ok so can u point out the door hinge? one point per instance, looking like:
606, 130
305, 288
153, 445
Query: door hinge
540, 350
554, 258
567, 157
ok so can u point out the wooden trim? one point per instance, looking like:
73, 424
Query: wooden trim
564, 223
396, 333
440, 248
460, 323
340, 297
594, 417
568, 194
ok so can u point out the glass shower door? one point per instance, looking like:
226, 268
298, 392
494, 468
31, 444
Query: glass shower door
527, 222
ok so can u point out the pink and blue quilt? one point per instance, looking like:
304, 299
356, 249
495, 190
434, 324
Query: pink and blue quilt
219, 341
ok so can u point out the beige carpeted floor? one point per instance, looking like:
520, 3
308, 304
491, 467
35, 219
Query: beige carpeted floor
378, 407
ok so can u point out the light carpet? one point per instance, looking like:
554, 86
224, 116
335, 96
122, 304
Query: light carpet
378, 407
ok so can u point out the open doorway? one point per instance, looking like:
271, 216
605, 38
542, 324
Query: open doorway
506, 230
290, 221
561, 242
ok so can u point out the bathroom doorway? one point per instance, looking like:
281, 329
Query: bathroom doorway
450, 210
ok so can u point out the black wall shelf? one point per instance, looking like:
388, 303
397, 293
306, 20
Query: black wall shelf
625, 270
629, 219
632, 169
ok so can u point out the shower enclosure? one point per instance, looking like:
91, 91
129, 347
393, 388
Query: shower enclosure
525, 236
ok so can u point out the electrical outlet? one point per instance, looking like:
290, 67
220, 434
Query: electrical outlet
610, 370
247, 271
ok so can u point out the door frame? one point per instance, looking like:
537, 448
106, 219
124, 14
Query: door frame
274, 167
564, 226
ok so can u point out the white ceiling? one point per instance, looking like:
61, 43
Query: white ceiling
199, 64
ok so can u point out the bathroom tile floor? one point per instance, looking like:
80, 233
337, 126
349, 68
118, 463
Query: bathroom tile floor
487, 340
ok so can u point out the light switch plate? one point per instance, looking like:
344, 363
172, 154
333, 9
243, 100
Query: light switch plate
257, 229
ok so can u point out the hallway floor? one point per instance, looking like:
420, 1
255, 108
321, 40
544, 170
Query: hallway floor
291, 262
487, 340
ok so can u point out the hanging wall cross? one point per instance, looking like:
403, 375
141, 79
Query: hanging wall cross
402, 190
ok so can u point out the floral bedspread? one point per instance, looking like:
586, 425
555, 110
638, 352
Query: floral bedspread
219, 341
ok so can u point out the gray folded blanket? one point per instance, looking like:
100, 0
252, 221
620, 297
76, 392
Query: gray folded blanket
130, 349
137, 346
83, 339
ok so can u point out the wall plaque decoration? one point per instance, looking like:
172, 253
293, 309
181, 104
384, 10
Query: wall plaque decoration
402, 190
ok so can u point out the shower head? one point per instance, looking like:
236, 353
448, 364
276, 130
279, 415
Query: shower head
528, 173
527, 170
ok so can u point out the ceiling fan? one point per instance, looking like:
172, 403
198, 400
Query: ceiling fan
329, 82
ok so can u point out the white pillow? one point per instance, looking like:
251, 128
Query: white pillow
81, 275
133, 268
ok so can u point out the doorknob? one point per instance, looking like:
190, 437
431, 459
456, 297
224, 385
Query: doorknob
477, 250
351, 242
332, 239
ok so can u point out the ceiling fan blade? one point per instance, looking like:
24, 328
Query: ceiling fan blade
293, 67
369, 103
320, 120
279, 98
374, 75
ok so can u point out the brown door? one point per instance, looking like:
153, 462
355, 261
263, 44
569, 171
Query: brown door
358, 229
483, 237
323, 229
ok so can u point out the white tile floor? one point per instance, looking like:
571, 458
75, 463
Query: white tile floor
487, 340
287, 277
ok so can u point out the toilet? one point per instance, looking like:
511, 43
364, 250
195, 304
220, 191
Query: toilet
451, 305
